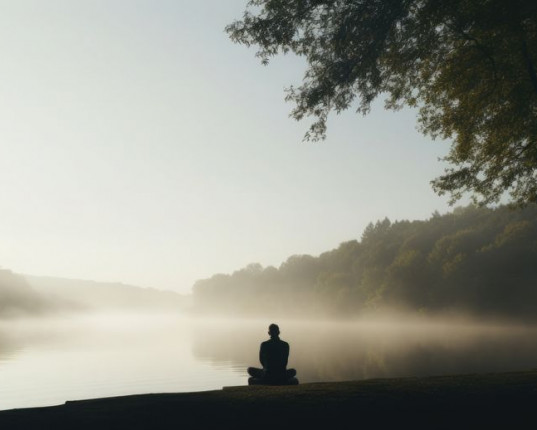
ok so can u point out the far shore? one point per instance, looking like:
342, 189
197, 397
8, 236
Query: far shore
456, 401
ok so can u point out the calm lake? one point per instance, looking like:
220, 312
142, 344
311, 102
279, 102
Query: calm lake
49, 361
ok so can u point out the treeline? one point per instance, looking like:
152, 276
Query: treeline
477, 260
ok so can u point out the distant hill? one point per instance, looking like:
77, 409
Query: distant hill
91, 295
17, 297
22, 295
475, 260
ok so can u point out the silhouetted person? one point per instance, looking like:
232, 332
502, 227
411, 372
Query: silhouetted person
273, 355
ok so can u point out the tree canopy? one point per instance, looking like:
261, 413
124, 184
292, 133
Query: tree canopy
469, 66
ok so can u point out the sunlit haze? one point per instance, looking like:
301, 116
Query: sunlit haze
140, 145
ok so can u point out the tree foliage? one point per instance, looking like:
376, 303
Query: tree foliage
478, 260
468, 65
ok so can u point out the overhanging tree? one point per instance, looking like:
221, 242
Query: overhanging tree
469, 66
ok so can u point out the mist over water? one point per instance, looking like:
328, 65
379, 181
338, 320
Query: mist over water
62, 359
332, 351
50, 361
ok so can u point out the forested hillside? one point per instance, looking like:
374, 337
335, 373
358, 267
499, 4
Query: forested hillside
476, 260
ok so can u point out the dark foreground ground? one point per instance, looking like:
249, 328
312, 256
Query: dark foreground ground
503, 400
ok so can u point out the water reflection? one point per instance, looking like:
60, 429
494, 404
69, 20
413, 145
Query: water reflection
102, 356
337, 352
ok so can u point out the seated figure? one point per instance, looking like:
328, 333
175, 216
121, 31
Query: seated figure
273, 356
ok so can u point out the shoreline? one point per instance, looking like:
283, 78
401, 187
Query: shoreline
427, 402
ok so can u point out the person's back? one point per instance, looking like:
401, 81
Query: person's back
273, 355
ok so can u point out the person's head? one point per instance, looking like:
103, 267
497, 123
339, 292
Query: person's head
274, 330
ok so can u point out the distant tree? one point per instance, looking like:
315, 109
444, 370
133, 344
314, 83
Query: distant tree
468, 65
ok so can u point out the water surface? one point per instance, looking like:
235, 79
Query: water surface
49, 361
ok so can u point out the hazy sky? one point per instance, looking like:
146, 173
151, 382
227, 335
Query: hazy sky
140, 145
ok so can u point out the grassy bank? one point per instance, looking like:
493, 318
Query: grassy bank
461, 401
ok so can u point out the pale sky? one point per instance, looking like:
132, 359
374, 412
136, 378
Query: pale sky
140, 145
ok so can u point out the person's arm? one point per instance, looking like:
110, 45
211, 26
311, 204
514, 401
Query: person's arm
262, 359
286, 356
